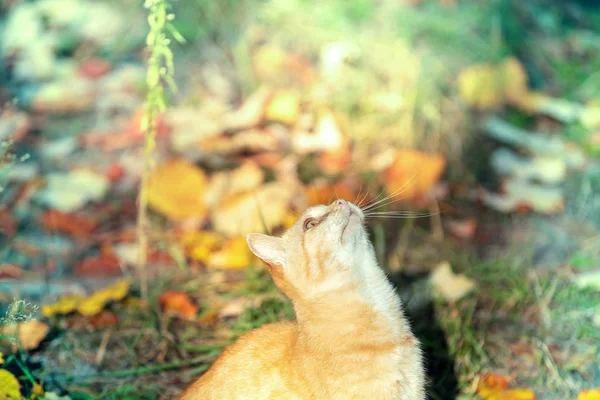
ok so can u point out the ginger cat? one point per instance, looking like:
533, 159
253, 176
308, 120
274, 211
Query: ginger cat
350, 339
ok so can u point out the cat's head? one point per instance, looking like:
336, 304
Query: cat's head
322, 250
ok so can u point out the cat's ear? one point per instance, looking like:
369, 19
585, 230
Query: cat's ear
268, 248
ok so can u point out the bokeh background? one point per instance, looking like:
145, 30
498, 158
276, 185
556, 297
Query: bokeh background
477, 122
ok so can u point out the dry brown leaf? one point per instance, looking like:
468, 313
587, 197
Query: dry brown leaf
250, 114
234, 254
283, 107
255, 211
176, 190
250, 141
29, 334
80, 227
413, 174
223, 184
178, 304
327, 137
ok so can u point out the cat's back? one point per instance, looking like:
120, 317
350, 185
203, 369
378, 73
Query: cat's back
252, 363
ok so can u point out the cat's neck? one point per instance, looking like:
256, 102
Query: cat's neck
364, 302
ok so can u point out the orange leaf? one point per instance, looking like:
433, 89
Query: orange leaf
179, 304
69, 224
593, 394
176, 188
103, 320
29, 334
199, 245
495, 387
413, 174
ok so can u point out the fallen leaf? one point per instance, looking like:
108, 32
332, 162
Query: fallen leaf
96, 302
72, 95
100, 265
589, 279
179, 304
524, 196
10, 271
29, 334
241, 143
65, 305
283, 107
234, 254
10, 388
480, 86
514, 80
449, 285
68, 192
413, 175
487, 86
255, 211
462, 229
327, 137
228, 183
14, 124
335, 162
94, 68
546, 169
496, 387
200, 244
103, 320
250, 114
593, 394
176, 190
91, 305
80, 227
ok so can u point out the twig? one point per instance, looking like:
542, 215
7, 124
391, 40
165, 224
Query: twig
102, 349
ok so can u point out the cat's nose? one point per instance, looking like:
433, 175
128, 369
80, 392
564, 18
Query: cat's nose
339, 203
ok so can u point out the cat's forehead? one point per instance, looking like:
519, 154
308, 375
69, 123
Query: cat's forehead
315, 212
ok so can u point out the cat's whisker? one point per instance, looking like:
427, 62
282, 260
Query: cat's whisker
363, 206
363, 198
357, 196
397, 192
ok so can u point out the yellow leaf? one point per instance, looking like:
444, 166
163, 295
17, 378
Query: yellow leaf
233, 255
10, 388
495, 387
1, 358
37, 389
593, 394
255, 211
514, 80
413, 174
65, 305
97, 301
284, 107
480, 86
199, 245
176, 190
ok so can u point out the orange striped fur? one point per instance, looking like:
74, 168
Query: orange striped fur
350, 339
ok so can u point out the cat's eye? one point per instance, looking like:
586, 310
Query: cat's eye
309, 223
